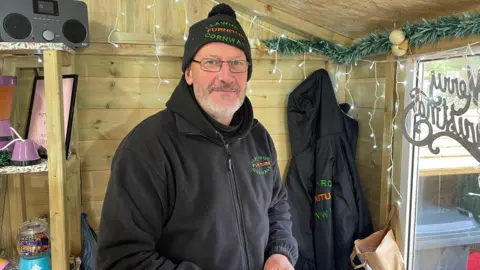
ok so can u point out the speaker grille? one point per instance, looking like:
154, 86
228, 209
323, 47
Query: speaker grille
74, 31
17, 26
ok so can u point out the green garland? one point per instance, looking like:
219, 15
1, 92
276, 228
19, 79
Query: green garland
5, 158
468, 24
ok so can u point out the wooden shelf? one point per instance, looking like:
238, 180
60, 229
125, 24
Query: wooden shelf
26, 48
42, 167
64, 186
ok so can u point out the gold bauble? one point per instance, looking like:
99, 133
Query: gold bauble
397, 36
397, 51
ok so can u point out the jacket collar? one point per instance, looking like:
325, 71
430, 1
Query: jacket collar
190, 118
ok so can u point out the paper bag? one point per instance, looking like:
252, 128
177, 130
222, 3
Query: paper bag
379, 251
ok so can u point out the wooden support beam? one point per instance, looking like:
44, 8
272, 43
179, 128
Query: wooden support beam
5, 225
73, 186
56, 159
446, 44
277, 17
385, 187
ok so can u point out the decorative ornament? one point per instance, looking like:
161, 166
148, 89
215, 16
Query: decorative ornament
424, 32
454, 125
397, 36
397, 51
262, 47
5, 158
399, 42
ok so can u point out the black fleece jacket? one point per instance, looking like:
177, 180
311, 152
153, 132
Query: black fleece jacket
183, 196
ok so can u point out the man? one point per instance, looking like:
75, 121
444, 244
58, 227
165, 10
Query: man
197, 186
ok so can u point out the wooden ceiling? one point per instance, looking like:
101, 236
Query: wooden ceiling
345, 20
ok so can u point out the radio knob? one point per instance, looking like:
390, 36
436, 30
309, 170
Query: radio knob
48, 35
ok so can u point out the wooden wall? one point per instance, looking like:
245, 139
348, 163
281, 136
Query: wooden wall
118, 87
372, 90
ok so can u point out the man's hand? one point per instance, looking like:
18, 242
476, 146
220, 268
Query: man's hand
278, 262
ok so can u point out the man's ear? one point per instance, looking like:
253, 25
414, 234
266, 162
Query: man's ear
188, 75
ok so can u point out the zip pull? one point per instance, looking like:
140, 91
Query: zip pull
229, 164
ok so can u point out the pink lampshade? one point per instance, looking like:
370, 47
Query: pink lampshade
25, 153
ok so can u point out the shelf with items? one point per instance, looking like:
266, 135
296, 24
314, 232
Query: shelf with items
64, 189
37, 168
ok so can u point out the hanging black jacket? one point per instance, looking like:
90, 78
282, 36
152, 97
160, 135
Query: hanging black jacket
182, 196
328, 207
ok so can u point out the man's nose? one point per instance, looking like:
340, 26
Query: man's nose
225, 74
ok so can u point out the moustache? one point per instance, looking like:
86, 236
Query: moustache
227, 87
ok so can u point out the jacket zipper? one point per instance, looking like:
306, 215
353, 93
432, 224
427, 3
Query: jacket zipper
238, 205
236, 201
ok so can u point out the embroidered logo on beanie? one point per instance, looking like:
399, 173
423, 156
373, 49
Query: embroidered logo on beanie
225, 31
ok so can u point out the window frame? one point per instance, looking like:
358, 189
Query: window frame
409, 173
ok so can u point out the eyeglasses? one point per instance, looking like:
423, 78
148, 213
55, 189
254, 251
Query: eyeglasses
214, 65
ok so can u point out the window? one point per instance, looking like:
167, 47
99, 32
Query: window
442, 211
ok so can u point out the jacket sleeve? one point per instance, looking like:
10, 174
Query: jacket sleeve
281, 240
133, 214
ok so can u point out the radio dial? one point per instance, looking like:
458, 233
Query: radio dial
48, 35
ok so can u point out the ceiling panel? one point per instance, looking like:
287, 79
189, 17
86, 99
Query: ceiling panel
355, 18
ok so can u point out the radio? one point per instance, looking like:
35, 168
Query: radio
47, 21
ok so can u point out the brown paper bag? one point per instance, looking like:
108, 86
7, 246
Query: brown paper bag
379, 251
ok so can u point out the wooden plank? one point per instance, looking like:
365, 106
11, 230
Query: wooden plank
338, 77
446, 44
16, 194
282, 146
377, 124
16, 188
94, 185
97, 155
93, 210
286, 21
367, 70
445, 152
398, 135
170, 68
6, 229
73, 186
448, 166
74, 207
386, 189
363, 92
56, 159
1, 64
367, 155
36, 189
138, 93
369, 179
176, 51
114, 124
138, 21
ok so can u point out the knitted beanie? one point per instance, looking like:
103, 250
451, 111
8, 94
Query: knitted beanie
221, 25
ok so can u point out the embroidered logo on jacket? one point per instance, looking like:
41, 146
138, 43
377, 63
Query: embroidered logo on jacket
321, 198
261, 165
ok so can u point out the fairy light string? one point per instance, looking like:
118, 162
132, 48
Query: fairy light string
253, 21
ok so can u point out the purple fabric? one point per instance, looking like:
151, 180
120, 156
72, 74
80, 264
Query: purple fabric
8, 80
5, 130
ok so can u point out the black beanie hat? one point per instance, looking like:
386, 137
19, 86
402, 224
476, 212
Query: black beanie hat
220, 26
